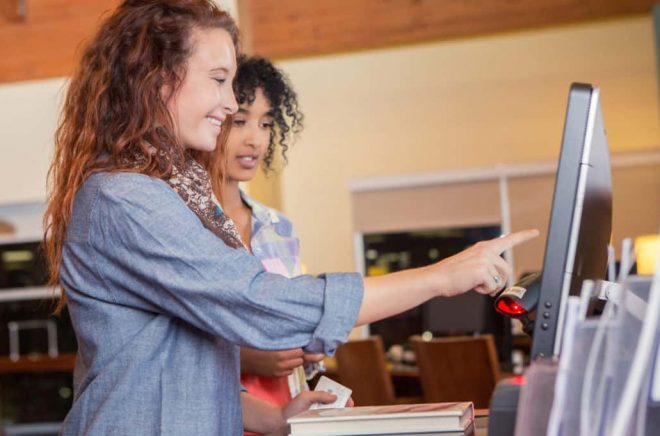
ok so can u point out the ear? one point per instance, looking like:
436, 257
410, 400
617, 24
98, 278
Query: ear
167, 93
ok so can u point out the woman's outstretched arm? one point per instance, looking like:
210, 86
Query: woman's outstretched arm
479, 267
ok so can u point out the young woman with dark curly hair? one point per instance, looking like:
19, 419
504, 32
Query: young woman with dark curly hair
267, 121
160, 289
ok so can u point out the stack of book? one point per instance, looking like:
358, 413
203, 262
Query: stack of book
443, 419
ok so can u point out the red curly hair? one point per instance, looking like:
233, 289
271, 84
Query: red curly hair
115, 103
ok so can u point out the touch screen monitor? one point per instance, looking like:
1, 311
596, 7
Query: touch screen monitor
576, 246
581, 217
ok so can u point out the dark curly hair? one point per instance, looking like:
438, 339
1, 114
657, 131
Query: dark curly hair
254, 73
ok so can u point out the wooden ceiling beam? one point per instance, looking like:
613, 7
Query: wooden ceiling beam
46, 42
297, 28
13, 10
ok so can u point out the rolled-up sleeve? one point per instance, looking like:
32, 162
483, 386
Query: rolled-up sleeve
151, 252
337, 311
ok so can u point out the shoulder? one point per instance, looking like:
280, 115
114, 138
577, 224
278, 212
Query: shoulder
106, 199
143, 198
123, 184
131, 190
131, 186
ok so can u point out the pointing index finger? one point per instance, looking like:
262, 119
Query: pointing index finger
512, 239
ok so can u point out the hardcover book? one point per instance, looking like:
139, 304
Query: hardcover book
409, 419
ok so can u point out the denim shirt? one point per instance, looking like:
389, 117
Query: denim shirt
160, 306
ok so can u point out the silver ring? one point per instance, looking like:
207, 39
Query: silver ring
497, 279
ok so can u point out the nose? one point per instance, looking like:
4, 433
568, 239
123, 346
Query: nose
229, 103
252, 138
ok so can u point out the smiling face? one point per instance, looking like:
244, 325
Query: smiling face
249, 138
205, 97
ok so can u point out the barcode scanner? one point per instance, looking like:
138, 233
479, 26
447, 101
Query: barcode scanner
520, 300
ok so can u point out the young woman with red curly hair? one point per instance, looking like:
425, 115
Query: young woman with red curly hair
159, 286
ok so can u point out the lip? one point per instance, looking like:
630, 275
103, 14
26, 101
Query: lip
218, 119
248, 164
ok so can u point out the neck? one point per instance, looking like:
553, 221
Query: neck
240, 213
231, 197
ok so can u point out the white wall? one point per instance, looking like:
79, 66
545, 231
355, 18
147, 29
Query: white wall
230, 6
28, 118
456, 104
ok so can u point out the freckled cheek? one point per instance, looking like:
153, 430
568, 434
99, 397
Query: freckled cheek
263, 143
207, 98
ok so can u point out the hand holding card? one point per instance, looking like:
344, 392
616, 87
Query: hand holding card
342, 392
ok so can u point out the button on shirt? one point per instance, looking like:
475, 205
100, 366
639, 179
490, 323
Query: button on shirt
160, 306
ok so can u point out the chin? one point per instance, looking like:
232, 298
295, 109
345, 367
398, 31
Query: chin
203, 146
242, 176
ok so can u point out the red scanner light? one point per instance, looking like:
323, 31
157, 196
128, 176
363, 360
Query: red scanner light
510, 307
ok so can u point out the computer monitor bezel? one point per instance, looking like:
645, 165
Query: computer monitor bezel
584, 139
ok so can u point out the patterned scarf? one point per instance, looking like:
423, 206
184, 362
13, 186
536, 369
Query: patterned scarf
193, 185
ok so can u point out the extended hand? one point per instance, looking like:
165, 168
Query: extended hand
479, 267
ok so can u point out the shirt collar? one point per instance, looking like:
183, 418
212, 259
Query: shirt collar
259, 211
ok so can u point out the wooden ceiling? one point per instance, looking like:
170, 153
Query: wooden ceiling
45, 42
296, 28
42, 38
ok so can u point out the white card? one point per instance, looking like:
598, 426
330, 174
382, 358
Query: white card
342, 392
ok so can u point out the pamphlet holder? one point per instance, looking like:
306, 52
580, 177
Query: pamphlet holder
609, 406
579, 337
606, 375
536, 398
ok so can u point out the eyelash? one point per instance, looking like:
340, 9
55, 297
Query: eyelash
239, 123
220, 81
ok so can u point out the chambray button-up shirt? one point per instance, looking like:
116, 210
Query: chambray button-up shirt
160, 306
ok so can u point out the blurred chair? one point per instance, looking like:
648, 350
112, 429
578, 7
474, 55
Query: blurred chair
361, 367
463, 368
